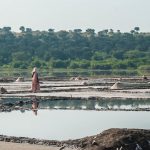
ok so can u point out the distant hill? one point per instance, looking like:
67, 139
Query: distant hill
104, 50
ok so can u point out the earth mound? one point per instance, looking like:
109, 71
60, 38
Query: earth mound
118, 139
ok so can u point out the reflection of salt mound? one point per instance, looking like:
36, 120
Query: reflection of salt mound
116, 86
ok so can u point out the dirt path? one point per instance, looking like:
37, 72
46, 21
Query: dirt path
18, 146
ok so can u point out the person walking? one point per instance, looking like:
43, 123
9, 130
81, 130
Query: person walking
35, 81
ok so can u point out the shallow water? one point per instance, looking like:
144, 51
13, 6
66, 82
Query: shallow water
84, 104
68, 124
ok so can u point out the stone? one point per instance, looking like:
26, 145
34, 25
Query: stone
3, 90
144, 77
84, 83
72, 78
78, 78
94, 142
63, 147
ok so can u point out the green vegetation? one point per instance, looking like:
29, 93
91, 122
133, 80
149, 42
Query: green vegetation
75, 49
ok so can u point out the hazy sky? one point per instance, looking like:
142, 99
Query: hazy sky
73, 14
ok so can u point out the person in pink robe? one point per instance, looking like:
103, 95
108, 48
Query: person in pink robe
35, 81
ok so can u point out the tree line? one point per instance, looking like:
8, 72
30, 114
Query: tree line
106, 49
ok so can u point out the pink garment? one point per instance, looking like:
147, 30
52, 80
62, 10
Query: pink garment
35, 82
35, 107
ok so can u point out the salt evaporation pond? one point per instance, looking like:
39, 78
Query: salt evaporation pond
68, 124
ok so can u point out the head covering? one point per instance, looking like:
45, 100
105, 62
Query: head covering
34, 69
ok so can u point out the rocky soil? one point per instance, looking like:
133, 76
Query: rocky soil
118, 139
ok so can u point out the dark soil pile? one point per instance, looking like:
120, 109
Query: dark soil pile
117, 139
112, 139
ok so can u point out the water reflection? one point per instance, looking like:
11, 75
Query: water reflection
117, 104
35, 105
69, 124
75, 104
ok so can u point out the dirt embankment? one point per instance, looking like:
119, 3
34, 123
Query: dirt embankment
118, 139
112, 139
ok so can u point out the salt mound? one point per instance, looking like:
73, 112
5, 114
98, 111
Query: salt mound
20, 79
116, 86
